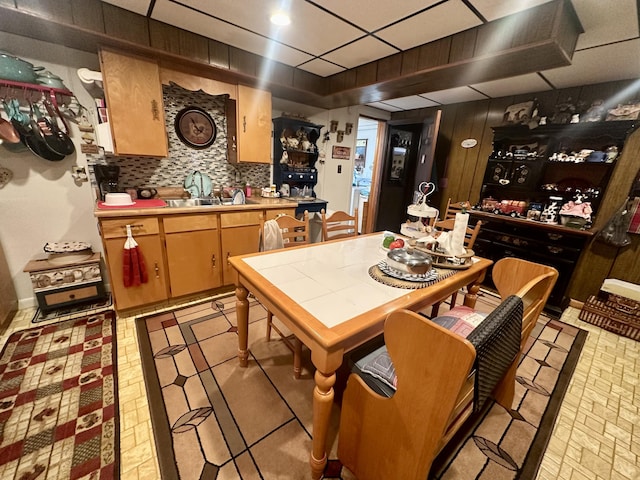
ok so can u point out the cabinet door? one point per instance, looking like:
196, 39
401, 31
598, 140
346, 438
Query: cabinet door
238, 241
134, 104
254, 125
154, 290
193, 259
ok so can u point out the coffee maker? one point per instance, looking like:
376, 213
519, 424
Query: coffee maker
107, 178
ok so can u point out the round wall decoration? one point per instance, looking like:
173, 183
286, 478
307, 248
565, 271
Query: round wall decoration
469, 143
195, 127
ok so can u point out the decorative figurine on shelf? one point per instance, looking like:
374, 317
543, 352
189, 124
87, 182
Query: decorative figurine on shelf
550, 212
563, 112
595, 113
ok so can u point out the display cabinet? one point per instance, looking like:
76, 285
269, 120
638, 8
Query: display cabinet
294, 156
560, 161
531, 169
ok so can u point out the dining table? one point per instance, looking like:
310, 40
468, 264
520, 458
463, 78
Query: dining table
334, 296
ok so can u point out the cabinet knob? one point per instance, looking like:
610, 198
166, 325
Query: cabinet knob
156, 269
244, 123
228, 255
72, 296
213, 261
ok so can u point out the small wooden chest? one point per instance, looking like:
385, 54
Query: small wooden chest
59, 286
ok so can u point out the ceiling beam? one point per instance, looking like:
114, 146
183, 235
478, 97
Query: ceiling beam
537, 39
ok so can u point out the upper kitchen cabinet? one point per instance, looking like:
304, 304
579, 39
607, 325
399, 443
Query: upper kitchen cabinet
134, 101
253, 126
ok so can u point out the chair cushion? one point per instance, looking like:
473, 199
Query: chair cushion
378, 363
461, 320
496, 343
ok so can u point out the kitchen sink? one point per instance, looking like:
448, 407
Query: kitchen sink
196, 202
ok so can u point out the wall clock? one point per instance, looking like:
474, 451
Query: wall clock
195, 127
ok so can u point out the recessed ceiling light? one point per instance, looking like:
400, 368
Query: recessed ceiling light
280, 18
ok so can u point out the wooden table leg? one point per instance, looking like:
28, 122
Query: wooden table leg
242, 315
322, 403
472, 292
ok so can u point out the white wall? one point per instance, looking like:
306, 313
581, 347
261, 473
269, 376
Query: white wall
42, 203
333, 186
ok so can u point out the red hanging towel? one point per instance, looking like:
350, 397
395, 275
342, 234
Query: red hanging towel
126, 267
134, 270
135, 267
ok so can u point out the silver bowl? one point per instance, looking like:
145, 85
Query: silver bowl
409, 260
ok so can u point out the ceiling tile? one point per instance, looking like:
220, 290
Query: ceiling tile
606, 22
320, 67
385, 106
455, 95
438, 22
308, 30
494, 9
505, 87
382, 15
361, 51
192, 21
596, 65
411, 102
138, 6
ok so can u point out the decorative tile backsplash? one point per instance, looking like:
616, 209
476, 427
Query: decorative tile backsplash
182, 160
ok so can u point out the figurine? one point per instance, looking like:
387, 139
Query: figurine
595, 113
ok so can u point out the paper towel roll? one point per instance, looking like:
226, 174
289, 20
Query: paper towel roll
458, 234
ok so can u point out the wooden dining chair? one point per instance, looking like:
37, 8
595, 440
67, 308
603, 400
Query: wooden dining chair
339, 225
469, 240
430, 389
294, 233
455, 207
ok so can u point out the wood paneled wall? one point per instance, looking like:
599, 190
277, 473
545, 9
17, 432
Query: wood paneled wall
461, 170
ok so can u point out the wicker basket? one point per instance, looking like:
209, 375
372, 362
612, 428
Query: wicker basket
614, 313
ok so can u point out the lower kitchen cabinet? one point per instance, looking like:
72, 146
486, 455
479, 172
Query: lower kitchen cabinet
185, 253
559, 247
193, 253
240, 234
146, 233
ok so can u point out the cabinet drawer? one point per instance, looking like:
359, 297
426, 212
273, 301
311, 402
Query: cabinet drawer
239, 219
190, 223
117, 227
82, 293
273, 213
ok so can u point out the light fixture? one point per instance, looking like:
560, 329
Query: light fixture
280, 19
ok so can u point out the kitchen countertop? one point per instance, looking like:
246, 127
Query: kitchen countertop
253, 203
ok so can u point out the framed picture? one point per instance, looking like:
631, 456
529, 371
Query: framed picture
341, 153
361, 155
398, 158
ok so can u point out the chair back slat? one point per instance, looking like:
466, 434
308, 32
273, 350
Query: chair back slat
294, 232
470, 235
455, 207
339, 225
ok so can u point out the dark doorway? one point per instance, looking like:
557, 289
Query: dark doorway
398, 175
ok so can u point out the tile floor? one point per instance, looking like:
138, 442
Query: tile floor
596, 437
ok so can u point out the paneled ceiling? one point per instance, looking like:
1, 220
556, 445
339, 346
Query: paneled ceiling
330, 36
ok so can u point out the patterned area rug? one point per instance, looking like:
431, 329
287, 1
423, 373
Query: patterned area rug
215, 420
509, 443
58, 401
